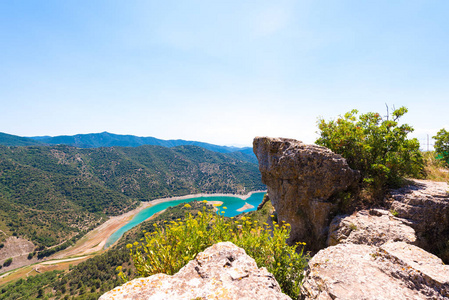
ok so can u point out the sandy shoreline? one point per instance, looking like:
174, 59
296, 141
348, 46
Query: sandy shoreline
245, 207
162, 200
95, 240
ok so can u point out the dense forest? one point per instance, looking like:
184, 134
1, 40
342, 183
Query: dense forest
53, 194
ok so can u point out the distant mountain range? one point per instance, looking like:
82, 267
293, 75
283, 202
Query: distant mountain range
106, 139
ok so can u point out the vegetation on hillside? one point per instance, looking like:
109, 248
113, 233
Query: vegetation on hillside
33, 287
54, 195
97, 275
171, 246
376, 146
435, 169
106, 139
14, 140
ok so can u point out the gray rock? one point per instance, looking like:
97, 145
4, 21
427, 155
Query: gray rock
396, 270
222, 271
424, 205
301, 180
369, 227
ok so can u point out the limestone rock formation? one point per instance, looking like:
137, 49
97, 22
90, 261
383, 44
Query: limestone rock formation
425, 206
222, 271
395, 270
301, 180
372, 227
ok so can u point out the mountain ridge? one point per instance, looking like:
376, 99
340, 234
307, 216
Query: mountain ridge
107, 139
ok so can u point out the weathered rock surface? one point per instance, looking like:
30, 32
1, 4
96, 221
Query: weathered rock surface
369, 227
395, 270
222, 271
425, 206
16, 248
301, 179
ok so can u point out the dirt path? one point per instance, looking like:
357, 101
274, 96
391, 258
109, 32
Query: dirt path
52, 262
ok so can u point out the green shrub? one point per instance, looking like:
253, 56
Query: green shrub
7, 262
377, 147
174, 244
442, 145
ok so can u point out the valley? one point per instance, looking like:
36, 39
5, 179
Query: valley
61, 204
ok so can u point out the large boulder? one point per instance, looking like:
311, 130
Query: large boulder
395, 270
222, 271
424, 205
302, 181
372, 227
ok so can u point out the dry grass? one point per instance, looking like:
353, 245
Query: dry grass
35, 269
435, 170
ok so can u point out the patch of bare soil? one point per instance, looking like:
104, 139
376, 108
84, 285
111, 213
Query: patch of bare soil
17, 249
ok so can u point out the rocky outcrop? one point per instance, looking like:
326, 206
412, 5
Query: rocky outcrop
222, 271
373, 253
395, 270
424, 205
18, 249
372, 227
301, 181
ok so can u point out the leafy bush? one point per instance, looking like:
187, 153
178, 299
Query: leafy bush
376, 146
442, 145
170, 247
7, 262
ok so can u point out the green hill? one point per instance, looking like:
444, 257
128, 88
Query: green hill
14, 140
92, 278
106, 139
52, 194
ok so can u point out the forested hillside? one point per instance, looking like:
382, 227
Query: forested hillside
106, 139
51, 194
90, 279
14, 140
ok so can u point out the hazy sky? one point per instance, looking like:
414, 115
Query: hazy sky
219, 71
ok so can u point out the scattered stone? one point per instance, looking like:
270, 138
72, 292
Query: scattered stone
369, 227
301, 180
222, 271
396, 270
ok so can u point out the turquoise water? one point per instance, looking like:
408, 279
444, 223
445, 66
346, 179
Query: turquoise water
232, 204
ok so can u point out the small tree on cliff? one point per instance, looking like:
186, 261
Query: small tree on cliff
442, 145
377, 147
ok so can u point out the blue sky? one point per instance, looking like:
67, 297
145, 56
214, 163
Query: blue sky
219, 71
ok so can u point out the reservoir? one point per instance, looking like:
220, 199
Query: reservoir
232, 204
